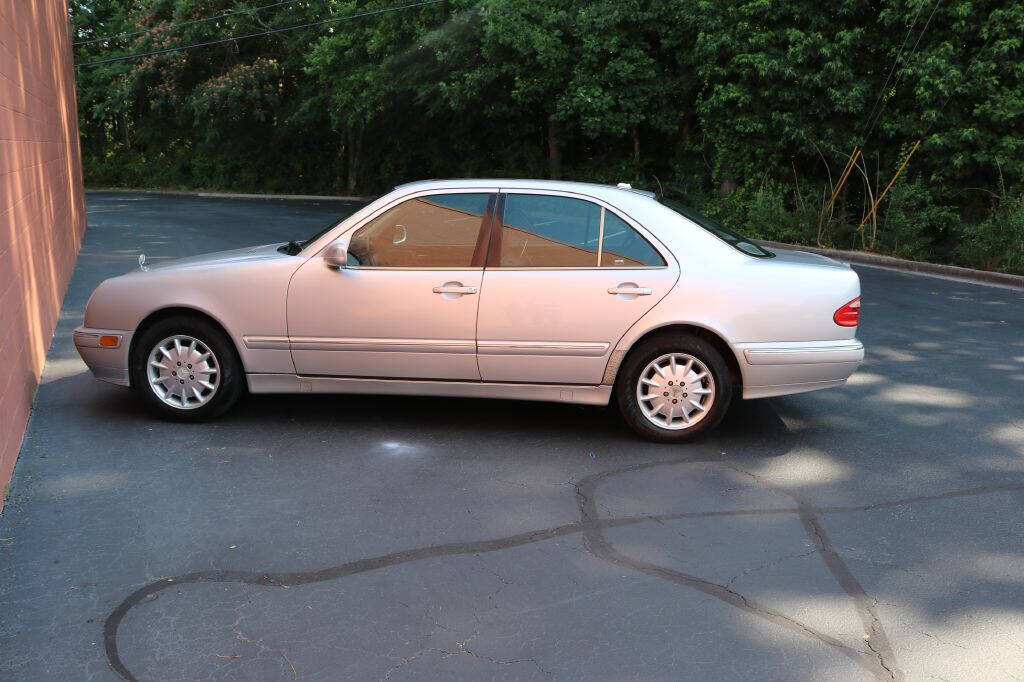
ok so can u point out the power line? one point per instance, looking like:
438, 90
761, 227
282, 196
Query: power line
220, 15
180, 48
903, 70
892, 69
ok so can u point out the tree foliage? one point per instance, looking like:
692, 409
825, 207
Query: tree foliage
747, 108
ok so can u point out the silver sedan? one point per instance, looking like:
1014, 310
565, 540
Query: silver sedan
521, 289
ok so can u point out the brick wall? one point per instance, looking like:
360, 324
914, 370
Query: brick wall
42, 207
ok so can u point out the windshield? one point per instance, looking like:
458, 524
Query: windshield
726, 235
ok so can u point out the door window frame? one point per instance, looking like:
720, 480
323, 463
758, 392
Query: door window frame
480, 250
498, 221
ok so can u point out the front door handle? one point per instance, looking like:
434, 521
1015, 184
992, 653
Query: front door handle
630, 290
454, 289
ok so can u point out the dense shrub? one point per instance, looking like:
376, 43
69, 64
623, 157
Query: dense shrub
997, 243
763, 212
915, 225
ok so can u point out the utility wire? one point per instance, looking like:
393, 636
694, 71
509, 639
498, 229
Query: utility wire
310, 24
892, 69
220, 15
902, 72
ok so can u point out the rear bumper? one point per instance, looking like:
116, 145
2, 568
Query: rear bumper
108, 363
771, 369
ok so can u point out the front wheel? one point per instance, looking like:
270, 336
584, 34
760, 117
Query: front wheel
186, 369
673, 388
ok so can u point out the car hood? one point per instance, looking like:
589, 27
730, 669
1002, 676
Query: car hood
249, 253
805, 258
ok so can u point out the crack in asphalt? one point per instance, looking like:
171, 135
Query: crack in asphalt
875, 638
879, 661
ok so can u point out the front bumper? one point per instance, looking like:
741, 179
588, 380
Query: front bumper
108, 363
772, 369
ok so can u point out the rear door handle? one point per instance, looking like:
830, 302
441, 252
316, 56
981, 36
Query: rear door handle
630, 291
454, 289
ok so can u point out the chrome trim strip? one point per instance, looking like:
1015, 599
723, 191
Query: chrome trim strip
384, 345
291, 383
266, 342
356, 344
549, 348
799, 355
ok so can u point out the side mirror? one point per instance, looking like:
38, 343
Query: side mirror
336, 256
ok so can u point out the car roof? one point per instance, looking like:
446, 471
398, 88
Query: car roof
607, 192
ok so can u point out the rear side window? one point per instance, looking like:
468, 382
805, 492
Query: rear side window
623, 247
549, 231
553, 231
434, 231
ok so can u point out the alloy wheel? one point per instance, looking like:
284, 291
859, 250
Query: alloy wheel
183, 372
675, 391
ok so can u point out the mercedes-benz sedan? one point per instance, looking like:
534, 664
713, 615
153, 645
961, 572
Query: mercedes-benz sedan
521, 289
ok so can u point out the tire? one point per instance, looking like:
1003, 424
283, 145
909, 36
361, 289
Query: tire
205, 388
700, 394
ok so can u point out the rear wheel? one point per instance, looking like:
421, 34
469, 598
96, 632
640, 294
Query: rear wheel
186, 369
673, 388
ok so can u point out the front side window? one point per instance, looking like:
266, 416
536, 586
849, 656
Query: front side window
539, 230
433, 231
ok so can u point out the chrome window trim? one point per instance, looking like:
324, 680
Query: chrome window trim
342, 231
415, 195
577, 267
414, 269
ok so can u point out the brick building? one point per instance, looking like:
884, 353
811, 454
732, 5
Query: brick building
42, 207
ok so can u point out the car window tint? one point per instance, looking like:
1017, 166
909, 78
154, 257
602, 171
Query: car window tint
436, 231
623, 247
549, 231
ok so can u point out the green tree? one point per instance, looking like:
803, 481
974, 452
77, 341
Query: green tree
747, 107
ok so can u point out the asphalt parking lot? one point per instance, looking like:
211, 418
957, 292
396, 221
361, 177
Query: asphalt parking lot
871, 531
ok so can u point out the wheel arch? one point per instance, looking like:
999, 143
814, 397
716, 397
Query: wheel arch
709, 335
161, 314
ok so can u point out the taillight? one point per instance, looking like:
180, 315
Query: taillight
848, 314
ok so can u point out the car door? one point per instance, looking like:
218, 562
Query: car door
566, 277
406, 304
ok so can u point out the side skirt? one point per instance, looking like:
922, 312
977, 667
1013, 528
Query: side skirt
290, 383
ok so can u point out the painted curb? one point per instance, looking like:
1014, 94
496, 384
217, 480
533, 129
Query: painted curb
862, 258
